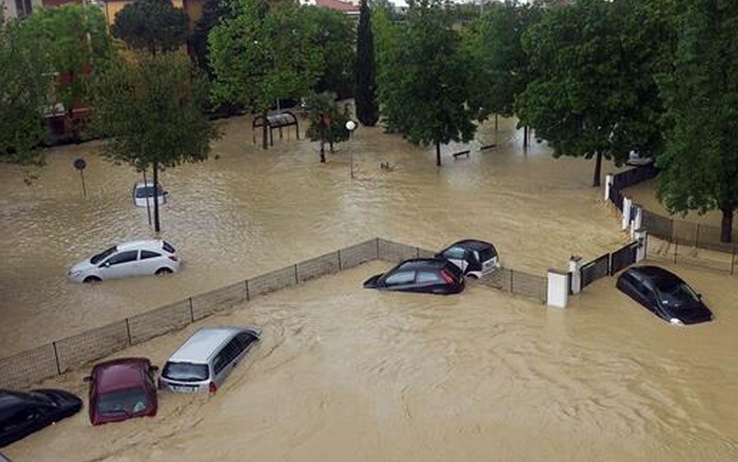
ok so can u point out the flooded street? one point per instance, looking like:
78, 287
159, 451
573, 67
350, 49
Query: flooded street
344, 373
246, 211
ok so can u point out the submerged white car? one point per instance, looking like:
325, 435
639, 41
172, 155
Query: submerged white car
143, 192
636, 159
127, 259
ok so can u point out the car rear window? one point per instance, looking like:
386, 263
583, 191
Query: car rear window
145, 191
168, 247
126, 401
453, 270
487, 253
185, 372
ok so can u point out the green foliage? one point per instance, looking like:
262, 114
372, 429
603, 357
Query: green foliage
152, 25
700, 164
75, 40
500, 64
385, 32
212, 12
149, 112
593, 93
424, 80
262, 53
367, 110
327, 122
25, 74
333, 34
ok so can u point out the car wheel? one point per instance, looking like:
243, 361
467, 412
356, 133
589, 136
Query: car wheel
92, 279
472, 276
163, 271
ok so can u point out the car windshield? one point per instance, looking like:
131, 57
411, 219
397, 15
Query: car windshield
147, 191
42, 398
677, 294
185, 372
103, 255
126, 401
487, 253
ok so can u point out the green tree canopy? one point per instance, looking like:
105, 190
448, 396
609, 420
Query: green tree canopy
262, 53
212, 12
152, 25
327, 122
500, 64
25, 74
700, 164
75, 41
333, 34
592, 92
424, 84
149, 111
367, 110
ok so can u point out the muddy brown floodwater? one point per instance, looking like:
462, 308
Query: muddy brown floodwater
348, 374
247, 211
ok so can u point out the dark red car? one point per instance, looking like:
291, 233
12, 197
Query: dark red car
122, 389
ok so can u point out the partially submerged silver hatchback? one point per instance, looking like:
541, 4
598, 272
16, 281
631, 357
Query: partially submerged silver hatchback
206, 359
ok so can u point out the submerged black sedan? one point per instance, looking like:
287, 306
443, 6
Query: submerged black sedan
664, 294
24, 413
428, 275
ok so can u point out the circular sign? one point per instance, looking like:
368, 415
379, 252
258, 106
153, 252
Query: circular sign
350, 125
80, 164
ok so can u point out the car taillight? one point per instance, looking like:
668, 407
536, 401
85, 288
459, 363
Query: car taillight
213, 387
173, 257
446, 277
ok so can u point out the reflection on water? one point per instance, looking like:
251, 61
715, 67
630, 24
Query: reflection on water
250, 211
344, 373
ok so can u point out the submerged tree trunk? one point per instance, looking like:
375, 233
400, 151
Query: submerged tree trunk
438, 154
525, 136
598, 170
157, 228
726, 226
264, 138
322, 139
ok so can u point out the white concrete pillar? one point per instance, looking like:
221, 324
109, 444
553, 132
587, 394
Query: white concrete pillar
636, 211
558, 288
609, 179
626, 213
575, 264
641, 235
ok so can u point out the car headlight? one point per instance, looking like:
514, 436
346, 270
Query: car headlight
676, 321
74, 274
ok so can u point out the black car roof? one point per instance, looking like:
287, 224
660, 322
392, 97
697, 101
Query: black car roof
473, 244
12, 398
416, 263
659, 276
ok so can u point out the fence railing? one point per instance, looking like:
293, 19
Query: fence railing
518, 282
72, 352
609, 264
684, 232
673, 252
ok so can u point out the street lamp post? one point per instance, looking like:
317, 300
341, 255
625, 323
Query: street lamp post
351, 126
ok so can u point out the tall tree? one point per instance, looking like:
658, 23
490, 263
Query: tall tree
263, 53
700, 164
590, 93
385, 33
212, 12
425, 84
24, 92
367, 110
500, 63
333, 34
327, 120
152, 25
75, 40
149, 110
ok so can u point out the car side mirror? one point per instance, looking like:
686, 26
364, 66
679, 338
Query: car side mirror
88, 379
104, 265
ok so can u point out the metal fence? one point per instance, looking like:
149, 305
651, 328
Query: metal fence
622, 258
72, 352
518, 282
58, 357
673, 252
595, 269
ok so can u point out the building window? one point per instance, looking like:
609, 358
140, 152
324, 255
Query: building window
23, 7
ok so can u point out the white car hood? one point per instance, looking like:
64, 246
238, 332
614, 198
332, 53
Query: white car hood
83, 265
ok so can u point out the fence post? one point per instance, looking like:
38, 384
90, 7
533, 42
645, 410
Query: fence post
192, 311
297, 279
377, 248
626, 213
557, 292
340, 266
608, 184
56, 356
417, 252
575, 265
732, 261
512, 286
246, 283
676, 249
697, 237
641, 235
128, 329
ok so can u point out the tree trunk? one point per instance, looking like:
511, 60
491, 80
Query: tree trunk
264, 138
438, 154
157, 228
598, 170
322, 139
495, 122
322, 151
331, 144
525, 137
726, 229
